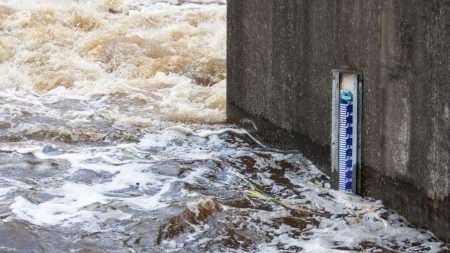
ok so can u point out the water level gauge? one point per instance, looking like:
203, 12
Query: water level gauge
346, 125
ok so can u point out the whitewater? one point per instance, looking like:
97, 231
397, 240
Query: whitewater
113, 138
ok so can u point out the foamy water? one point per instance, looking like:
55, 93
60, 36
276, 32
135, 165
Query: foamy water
126, 60
112, 139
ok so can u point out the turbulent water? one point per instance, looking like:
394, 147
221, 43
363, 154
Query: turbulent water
112, 139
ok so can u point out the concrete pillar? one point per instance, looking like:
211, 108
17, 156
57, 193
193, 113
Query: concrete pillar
280, 54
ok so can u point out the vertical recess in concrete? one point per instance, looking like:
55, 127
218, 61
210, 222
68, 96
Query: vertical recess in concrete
280, 54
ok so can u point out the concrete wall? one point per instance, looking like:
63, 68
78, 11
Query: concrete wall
281, 52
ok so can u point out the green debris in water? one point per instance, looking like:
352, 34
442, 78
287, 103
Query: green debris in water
257, 193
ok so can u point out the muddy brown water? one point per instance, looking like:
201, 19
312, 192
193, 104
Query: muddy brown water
112, 139
204, 190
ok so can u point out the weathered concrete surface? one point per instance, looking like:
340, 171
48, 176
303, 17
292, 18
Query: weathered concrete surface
281, 52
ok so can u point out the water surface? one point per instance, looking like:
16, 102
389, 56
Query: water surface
112, 139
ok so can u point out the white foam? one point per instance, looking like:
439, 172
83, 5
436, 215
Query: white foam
6, 190
151, 52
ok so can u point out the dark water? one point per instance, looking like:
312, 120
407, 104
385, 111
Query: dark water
186, 190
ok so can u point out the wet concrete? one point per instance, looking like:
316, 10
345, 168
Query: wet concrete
280, 54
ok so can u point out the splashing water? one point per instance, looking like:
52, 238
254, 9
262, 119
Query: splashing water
104, 145
117, 64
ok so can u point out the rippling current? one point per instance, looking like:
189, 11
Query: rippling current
112, 139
